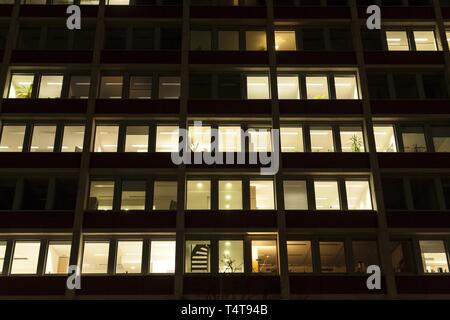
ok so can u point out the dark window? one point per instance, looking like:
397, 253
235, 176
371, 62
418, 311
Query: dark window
7, 191
341, 40
143, 39
230, 86
170, 39
3, 34
29, 38
116, 38
393, 194
424, 194
200, 87
65, 194
84, 39
313, 39
57, 39
434, 87
406, 86
371, 40
446, 190
378, 86
34, 194
402, 256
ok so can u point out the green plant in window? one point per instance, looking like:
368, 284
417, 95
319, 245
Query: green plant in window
356, 143
23, 91
230, 264
320, 96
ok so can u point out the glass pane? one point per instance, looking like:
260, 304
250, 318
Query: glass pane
58, 255
21, 86
291, 139
7, 192
66, 190
229, 139
136, 139
79, 87
358, 195
34, 194
346, 87
2, 255
162, 257
129, 257
133, 195
385, 138
299, 256
441, 139
142, 38
57, 39
115, 38
394, 194
261, 195
332, 257
285, 41
425, 40
111, 87
255, 41
288, 87
165, 195
260, 140
106, 138
101, 195
264, 256
322, 139
229, 86
313, 39
326, 195
397, 41
402, 256
295, 195
406, 86
169, 87
231, 256
414, 140
317, 88
198, 256
200, 40
25, 257
95, 257
198, 195
258, 87
200, 138
167, 138
50, 86
365, 253
424, 194
352, 139
73, 139
229, 40
12, 138
434, 256
230, 195
140, 87
43, 139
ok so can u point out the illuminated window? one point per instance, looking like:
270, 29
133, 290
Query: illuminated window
385, 139
136, 139
258, 87
200, 40
264, 256
43, 139
322, 139
73, 137
397, 41
358, 195
133, 195
425, 40
332, 257
352, 139
230, 195
95, 257
295, 195
111, 87
198, 256
413, 140
129, 257
198, 195
2, 255
285, 41
317, 87
21, 86
291, 139
169, 87
255, 41
346, 87
299, 256
25, 257
229, 139
326, 195
140, 87
118, 2
167, 138
162, 257
262, 195
50, 86
58, 255
441, 139
260, 140
165, 195
200, 138
288, 87
434, 256
12, 138
101, 195
231, 256
365, 253
228, 40
79, 87
106, 138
